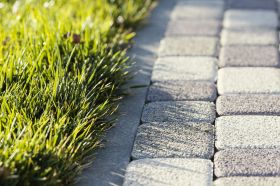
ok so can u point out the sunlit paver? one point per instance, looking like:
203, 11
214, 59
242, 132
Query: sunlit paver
174, 140
169, 172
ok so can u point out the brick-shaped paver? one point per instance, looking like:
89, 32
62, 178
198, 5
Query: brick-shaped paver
179, 111
193, 28
174, 140
252, 4
233, 80
247, 162
169, 172
258, 104
209, 10
235, 19
182, 91
248, 181
249, 37
189, 46
255, 56
247, 132
185, 68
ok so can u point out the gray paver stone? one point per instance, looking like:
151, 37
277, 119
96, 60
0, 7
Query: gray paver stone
169, 172
259, 104
179, 111
174, 140
185, 68
182, 91
248, 181
250, 19
247, 162
193, 28
248, 132
249, 37
255, 56
189, 46
198, 10
262, 80
252, 4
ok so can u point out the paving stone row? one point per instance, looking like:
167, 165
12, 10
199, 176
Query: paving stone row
247, 129
176, 136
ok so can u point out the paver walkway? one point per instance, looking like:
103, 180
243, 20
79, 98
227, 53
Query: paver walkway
193, 133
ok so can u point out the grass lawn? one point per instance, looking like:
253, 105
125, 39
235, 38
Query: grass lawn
62, 63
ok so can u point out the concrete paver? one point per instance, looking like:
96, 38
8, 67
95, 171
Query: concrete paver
169, 172
248, 80
185, 68
174, 140
179, 111
249, 56
248, 132
182, 91
247, 162
248, 104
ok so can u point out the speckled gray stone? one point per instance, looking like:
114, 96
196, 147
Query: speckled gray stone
247, 162
182, 91
189, 46
248, 181
246, 56
250, 19
185, 68
249, 37
169, 172
179, 111
262, 80
252, 4
209, 10
174, 140
247, 132
193, 28
258, 104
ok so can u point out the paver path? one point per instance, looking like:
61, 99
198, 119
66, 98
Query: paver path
193, 133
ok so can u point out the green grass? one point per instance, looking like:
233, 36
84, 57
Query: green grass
61, 67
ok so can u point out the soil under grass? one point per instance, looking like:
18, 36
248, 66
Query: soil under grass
61, 67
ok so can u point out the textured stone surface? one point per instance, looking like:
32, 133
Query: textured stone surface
169, 172
256, 56
250, 80
247, 162
174, 140
249, 37
258, 104
209, 10
182, 91
252, 4
248, 181
193, 28
189, 46
179, 111
247, 132
250, 18
185, 68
